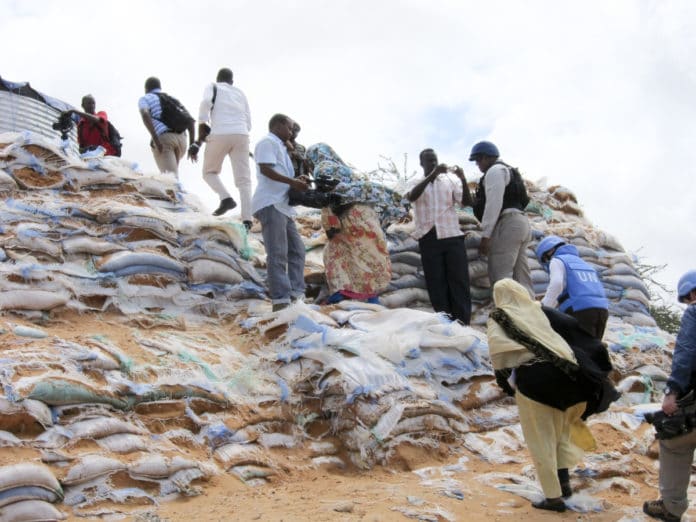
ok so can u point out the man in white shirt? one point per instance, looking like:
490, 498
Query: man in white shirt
285, 251
440, 240
224, 122
505, 229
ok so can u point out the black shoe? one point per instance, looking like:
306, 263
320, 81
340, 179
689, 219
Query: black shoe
657, 509
225, 205
551, 504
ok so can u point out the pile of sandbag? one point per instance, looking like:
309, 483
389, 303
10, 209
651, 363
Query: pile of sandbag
94, 234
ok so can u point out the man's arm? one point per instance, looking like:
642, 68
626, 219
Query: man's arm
683, 360
556, 283
147, 120
466, 195
417, 191
296, 183
92, 118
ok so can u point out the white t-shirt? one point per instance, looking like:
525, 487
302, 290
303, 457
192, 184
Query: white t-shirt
271, 150
230, 114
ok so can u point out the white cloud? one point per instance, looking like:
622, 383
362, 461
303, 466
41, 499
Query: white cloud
595, 96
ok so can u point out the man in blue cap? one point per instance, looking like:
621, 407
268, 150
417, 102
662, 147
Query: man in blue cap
499, 205
677, 454
574, 286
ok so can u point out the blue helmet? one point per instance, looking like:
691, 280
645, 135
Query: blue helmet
546, 244
686, 284
483, 148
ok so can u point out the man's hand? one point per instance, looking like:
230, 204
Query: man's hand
485, 246
669, 404
193, 152
441, 168
299, 184
458, 172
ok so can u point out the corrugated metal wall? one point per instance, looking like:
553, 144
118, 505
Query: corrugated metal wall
20, 113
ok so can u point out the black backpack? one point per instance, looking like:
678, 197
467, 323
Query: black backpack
174, 114
515, 192
114, 138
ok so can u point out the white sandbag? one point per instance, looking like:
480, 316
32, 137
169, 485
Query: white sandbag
30, 511
158, 466
31, 299
124, 259
28, 474
124, 443
404, 297
91, 467
89, 245
477, 268
207, 271
241, 455
98, 427
403, 268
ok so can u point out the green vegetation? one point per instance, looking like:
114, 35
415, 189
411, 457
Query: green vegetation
666, 314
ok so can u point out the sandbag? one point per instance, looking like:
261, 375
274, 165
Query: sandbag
25, 475
31, 299
154, 467
30, 511
91, 467
207, 271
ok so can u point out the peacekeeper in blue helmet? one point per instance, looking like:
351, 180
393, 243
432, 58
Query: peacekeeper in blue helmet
574, 286
677, 453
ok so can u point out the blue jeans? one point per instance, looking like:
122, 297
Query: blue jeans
285, 255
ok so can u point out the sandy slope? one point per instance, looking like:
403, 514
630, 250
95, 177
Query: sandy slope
301, 492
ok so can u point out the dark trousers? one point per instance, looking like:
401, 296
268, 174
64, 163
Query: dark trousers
592, 320
446, 270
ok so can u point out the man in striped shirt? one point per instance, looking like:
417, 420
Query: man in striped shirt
167, 145
441, 241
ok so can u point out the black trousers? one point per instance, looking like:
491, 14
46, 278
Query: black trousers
446, 270
592, 320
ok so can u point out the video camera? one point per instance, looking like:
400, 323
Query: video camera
64, 124
681, 422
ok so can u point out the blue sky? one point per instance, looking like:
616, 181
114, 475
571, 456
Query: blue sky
596, 96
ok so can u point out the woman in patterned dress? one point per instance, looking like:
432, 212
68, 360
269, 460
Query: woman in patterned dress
356, 258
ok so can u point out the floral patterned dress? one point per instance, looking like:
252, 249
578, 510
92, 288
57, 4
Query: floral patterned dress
356, 258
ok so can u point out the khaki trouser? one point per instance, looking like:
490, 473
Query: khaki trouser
556, 439
236, 147
173, 149
507, 255
676, 458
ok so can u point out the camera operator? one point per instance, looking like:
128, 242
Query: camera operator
677, 454
92, 127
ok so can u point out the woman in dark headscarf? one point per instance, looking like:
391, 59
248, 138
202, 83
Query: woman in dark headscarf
556, 385
356, 258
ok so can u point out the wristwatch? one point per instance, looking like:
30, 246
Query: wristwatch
669, 391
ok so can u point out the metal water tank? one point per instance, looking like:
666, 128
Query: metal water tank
20, 113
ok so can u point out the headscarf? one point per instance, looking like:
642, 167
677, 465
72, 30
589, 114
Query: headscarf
352, 186
515, 303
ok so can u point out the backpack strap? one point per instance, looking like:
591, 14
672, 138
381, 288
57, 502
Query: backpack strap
214, 96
